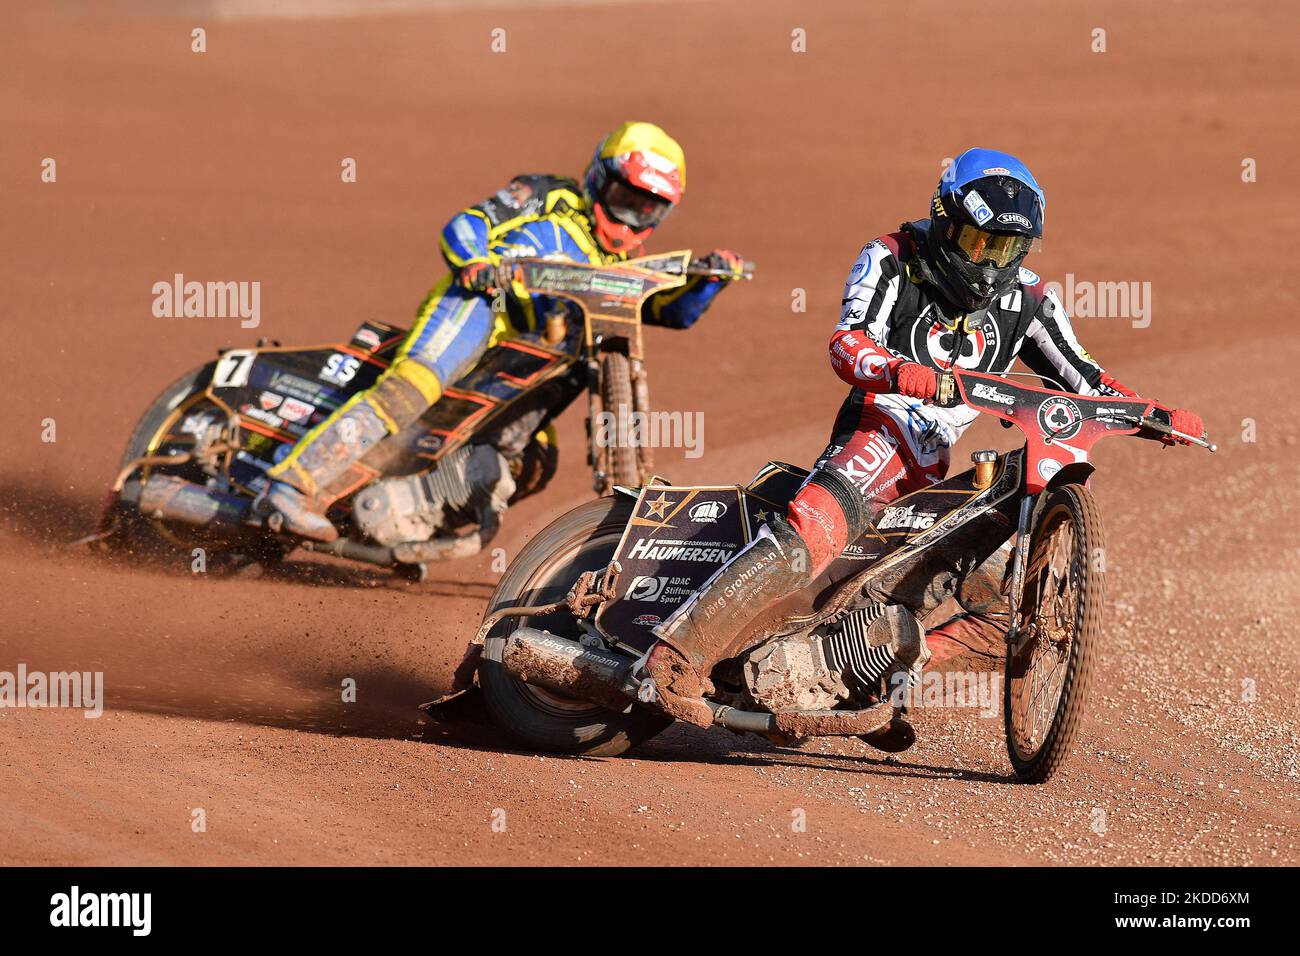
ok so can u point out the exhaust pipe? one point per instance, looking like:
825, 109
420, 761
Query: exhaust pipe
559, 664
168, 498
603, 677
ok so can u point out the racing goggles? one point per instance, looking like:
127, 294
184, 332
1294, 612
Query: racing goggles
1000, 249
633, 207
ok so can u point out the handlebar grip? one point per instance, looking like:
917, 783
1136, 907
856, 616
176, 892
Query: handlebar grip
1155, 425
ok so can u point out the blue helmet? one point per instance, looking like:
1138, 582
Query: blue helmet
986, 214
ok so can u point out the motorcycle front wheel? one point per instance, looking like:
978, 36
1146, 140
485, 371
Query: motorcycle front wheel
622, 458
1049, 669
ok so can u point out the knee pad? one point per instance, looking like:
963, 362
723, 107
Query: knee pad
827, 513
404, 393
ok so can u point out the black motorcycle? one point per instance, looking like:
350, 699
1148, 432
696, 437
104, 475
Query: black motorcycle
560, 656
198, 457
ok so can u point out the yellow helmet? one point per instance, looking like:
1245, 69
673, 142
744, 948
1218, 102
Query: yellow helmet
636, 177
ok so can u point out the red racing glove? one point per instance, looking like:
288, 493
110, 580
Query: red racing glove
916, 381
1187, 422
477, 277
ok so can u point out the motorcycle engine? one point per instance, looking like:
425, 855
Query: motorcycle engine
793, 674
819, 671
474, 480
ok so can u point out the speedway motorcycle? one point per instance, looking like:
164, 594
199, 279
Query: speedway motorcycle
560, 656
198, 457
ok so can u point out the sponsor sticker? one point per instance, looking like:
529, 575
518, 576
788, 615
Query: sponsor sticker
661, 163
430, 442
707, 512
295, 411
340, 368
646, 587
1014, 218
257, 414
655, 182
1059, 418
977, 207
1047, 468
991, 393
905, 517
367, 337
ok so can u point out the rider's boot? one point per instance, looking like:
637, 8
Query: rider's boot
707, 627
303, 484
295, 497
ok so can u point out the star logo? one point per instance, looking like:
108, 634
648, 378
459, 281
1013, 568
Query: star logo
760, 516
656, 508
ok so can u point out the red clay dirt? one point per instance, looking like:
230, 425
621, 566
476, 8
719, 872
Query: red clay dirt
224, 694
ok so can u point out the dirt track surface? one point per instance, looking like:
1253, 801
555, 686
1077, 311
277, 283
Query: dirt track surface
225, 694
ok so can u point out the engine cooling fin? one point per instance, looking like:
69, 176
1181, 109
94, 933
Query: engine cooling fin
850, 652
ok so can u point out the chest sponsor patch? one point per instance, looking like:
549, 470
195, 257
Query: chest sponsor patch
937, 344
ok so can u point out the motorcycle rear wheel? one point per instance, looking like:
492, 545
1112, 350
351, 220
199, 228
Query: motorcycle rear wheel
582, 540
1046, 683
140, 535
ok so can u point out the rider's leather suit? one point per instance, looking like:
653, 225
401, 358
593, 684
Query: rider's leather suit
535, 215
882, 445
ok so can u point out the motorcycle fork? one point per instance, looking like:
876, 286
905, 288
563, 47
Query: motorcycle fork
1019, 559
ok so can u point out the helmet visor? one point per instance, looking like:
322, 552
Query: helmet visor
633, 207
1000, 249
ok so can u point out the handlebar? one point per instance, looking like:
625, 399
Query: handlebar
1155, 425
946, 395
699, 267
503, 271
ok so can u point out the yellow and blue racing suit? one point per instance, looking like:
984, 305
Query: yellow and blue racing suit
535, 215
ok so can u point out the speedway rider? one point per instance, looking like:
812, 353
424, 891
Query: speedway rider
941, 291
635, 178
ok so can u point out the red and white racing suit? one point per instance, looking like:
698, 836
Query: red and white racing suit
884, 444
